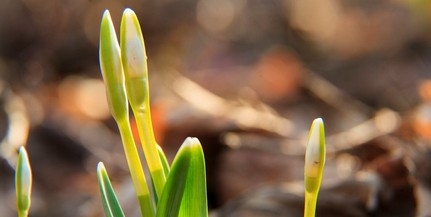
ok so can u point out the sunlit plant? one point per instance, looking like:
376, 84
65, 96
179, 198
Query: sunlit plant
314, 164
178, 189
184, 193
23, 183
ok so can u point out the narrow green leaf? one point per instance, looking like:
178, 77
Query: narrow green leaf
109, 199
170, 201
23, 183
165, 166
164, 160
194, 202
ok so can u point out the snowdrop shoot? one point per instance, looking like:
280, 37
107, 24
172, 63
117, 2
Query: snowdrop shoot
314, 164
179, 188
23, 183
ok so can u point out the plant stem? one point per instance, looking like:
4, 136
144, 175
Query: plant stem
134, 59
135, 167
22, 213
310, 204
314, 164
148, 142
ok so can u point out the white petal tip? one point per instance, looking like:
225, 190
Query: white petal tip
100, 166
128, 11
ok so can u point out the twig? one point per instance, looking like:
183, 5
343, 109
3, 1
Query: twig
245, 116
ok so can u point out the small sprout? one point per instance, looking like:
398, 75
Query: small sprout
112, 69
314, 164
113, 75
179, 189
133, 47
136, 78
109, 199
23, 183
185, 193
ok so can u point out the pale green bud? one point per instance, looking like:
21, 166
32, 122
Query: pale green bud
315, 156
112, 69
134, 59
23, 182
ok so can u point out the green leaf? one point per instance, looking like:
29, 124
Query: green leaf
109, 199
165, 166
23, 183
170, 201
163, 159
185, 191
194, 202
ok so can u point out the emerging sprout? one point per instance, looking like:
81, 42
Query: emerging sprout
112, 69
180, 190
113, 75
134, 59
109, 199
23, 183
314, 163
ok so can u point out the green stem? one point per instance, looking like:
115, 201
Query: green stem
136, 171
148, 142
134, 59
22, 213
310, 204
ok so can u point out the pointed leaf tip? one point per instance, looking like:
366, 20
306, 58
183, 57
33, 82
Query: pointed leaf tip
100, 167
128, 11
106, 14
191, 142
194, 202
110, 202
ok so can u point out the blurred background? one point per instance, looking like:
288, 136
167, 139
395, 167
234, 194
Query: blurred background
246, 77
